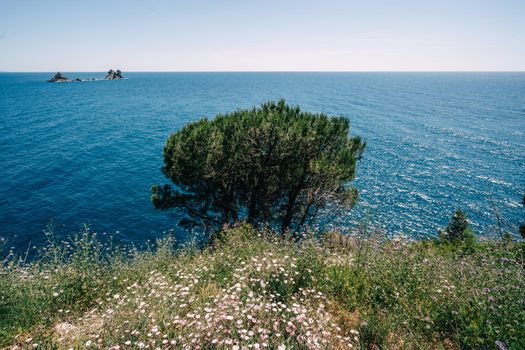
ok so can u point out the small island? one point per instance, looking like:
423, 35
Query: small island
111, 75
59, 78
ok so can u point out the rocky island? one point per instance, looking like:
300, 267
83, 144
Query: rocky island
59, 78
111, 75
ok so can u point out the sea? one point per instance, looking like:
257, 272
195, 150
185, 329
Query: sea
87, 153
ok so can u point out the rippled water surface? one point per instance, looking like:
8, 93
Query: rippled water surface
88, 152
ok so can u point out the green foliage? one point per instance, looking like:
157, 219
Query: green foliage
457, 226
273, 165
522, 226
398, 294
424, 296
457, 230
66, 280
374, 332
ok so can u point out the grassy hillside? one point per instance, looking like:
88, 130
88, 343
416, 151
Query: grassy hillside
255, 290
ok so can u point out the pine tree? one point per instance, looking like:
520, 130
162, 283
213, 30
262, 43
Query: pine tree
457, 230
274, 165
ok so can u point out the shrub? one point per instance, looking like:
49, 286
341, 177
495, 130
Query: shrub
274, 165
457, 230
522, 226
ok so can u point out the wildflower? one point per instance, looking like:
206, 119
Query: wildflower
500, 345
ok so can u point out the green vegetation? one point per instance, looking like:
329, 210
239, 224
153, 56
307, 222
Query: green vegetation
256, 287
273, 165
458, 231
522, 226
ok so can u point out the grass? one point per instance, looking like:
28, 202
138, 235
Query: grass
254, 290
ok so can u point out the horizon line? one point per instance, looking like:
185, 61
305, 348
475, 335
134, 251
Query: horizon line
274, 71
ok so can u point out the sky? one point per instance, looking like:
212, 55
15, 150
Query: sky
257, 35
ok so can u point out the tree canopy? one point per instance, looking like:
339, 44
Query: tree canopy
274, 164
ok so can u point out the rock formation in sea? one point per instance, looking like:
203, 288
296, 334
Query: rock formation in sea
114, 75
59, 78
111, 75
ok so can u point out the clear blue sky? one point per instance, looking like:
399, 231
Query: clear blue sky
257, 35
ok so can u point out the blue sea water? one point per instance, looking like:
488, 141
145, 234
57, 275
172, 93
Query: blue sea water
88, 152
